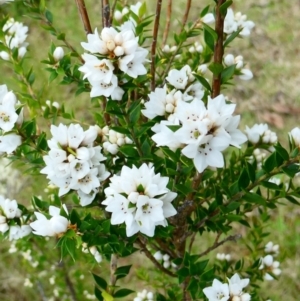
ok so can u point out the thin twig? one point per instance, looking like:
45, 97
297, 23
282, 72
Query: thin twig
154, 42
105, 13
105, 115
41, 291
150, 256
217, 244
112, 10
84, 16
113, 268
168, 22
219, 48
192, 241
186, 14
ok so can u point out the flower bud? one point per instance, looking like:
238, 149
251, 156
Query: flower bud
229, 60
4, 55
118, 15
58, 54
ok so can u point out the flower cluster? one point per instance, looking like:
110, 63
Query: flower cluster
260, 133
234, 22
112, 140
55, 226
165, 258
74, 163
144, 296
233, 290
238, 61
15, 37
202, 132
140, 198
9, 211
9, 140
223, 257
113, 52
268, 264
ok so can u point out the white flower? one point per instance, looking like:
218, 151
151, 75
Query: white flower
74, 163
230, 25
132, 64
3, 224
95, 69
17, 232
295, 135
236, 285
223, 256
246, 74
271, 248
217, 292
140, 198
58, 53
269, 265
208, 18
10, 208
178, 78
193, 91
8, 116
15, 36
9, 143
260, 132
229, 60
55, 226
99, 87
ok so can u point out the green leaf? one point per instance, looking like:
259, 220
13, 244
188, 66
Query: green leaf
49, 16
270, 163
254, 198
100, 281
42, 6
224, 6
232, 37
120, 129
203, 81
282, 152
135, 114
123, 293
129, 151
106, 296
198, 267
209, 37
292, 200
227, 74
291, 170
215, 68
143, 9
204, 11
98, 294
123, 271
270, 185
244, 179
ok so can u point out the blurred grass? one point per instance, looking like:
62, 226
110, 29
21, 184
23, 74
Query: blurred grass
272, 96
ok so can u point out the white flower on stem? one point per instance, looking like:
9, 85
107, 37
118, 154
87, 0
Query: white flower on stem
269, 265
236, 286
18, 232
9, 143
3, 224
136, 197
164, 136
99, 88
229, 60
58, 54
8, 116
295, 136
193, 91
208, 18
270, 247
223, 256
246, 74
15, 36
178, 78
95, 69
73, 162
230, 25
10, 208
237, 137
158, 255
261, 132
132, 64
55, 226
217, 292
